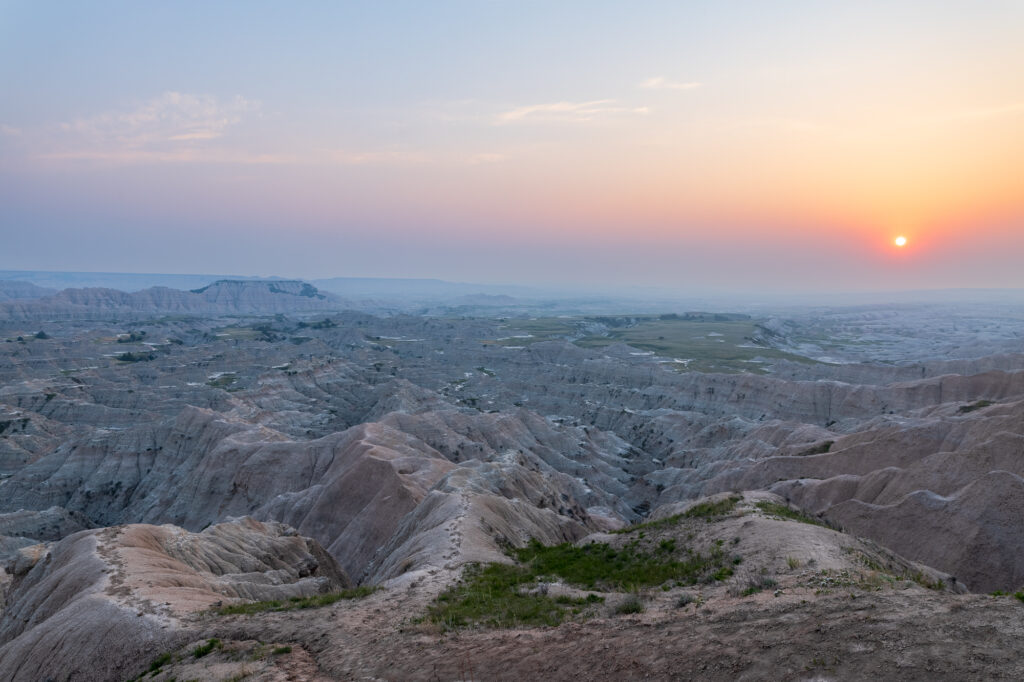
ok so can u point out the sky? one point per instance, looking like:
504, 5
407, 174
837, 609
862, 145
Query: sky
699, 146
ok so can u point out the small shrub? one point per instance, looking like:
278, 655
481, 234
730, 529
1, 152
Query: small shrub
632, 604
281, 650
964, 409
751, 583
924, 581
685, 599
204, 649
136, 357
159, 662
793, 562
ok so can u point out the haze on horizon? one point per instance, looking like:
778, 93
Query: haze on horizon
770, 146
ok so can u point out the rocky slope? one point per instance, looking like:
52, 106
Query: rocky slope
95, 604
408, 447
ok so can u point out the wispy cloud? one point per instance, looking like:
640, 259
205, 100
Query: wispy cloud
10, 130
168, 118
662, 83
572, 112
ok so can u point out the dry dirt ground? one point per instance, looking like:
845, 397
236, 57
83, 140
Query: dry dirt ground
831, 615
904, 633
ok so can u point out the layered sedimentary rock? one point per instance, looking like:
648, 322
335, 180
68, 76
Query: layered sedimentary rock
100, 601
222, 297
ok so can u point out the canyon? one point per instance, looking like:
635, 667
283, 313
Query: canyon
167, 453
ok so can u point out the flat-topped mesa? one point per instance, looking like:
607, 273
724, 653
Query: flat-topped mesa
221, 297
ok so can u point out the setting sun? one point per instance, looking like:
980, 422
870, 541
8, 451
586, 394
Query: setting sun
900, 241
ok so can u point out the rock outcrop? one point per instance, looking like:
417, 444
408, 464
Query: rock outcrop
100, 601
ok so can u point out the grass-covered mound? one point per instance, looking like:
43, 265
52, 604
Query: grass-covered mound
502, 595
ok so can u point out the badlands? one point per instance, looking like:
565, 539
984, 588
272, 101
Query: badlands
261, 480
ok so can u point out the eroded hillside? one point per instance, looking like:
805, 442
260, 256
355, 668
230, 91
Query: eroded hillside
409, 447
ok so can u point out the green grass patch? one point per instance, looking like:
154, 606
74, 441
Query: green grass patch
281, 650
599, 566
784, 512
136, 357
632, 604
964, 409
294, 603
706, 510
502, 595
223, 381
159, 662
709, 342
924, 581
204, 649
496, 595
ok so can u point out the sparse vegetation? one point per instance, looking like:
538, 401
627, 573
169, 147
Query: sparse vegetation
751, 583
632, 604
222, 381
784, 512
819, 449
685, 599
296, 602
964, 409
704, 510
924, 581
498, 595
603, 567
703, 342
502, 595
159, 662
709, 510
281, 650
204, 649
136, 357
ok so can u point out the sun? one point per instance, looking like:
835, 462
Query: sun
900, 241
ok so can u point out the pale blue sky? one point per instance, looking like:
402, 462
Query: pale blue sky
630, 142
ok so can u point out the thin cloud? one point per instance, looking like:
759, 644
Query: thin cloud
10, 130
169, 117
572, 112
662, 83
171, 127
